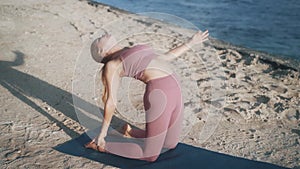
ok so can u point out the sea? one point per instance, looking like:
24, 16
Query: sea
271, 26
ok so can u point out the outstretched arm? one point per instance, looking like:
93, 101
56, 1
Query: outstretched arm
196, 39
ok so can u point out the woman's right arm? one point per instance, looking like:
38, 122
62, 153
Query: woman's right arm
197, 38
112, 84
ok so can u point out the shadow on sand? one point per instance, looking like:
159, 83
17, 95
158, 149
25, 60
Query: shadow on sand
182, 157
23, 86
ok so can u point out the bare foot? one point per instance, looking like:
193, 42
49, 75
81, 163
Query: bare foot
126, 130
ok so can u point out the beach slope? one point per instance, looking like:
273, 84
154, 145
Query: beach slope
237, 101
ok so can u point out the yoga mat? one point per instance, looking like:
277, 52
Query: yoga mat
182, 157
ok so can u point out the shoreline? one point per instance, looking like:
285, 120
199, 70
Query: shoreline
42, 44
280, 59
285, 61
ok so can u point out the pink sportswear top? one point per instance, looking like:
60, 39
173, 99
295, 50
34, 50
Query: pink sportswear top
136, 59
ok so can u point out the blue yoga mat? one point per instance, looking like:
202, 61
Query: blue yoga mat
182, 157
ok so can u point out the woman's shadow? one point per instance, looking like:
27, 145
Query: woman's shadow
23, 86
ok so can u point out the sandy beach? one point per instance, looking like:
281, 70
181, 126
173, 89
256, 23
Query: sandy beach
238, 101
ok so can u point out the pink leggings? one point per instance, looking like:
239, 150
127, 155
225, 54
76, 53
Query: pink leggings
164, 114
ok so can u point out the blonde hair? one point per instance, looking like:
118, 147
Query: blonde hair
104, 91
96, 53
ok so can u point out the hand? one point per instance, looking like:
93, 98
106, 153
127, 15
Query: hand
100, 142
98, 147
198, 38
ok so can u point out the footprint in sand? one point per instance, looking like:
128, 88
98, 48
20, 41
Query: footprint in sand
10, 156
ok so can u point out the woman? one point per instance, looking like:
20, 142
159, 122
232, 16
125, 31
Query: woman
162, 99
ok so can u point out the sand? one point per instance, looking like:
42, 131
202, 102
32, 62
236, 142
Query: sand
237, 101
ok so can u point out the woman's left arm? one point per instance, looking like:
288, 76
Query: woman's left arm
197, 38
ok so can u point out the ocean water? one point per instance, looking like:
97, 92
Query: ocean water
271, 26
